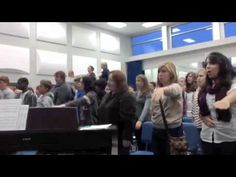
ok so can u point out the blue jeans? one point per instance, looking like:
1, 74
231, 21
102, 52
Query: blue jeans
160, 144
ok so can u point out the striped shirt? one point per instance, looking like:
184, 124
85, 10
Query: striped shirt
196, 110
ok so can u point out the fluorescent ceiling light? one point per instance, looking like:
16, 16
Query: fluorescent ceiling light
151, 24
194, 65
189, 40
117, 24
174, 30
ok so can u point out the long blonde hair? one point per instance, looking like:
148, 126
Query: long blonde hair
171, 69
204, 71
146, 87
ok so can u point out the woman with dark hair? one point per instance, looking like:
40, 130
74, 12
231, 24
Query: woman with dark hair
91, 73
100, 86
191, 86
87, 104
217, 106
118, 107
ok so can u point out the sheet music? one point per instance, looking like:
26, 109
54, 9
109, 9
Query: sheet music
13, 115
22, 117
96, 127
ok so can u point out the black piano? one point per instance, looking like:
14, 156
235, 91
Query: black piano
56, 131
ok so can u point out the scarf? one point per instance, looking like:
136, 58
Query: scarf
219, 92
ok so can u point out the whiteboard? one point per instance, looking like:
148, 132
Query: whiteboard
109, 43
50, 62
52, 32
84, 38
81, 63
17, 29
14, 59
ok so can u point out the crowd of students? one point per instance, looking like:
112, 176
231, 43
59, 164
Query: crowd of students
208, 97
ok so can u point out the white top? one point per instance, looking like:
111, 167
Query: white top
45, 101
189, 103
223, 131
22, 96
7, 94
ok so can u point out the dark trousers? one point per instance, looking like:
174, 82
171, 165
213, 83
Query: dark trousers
160, 143
225, 148
121, 149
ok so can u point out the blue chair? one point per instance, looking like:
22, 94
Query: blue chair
146, 138
192, 137
188, 119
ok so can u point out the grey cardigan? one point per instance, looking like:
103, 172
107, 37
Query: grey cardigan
143, 104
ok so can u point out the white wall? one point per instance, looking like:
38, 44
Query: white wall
184, 59
33, 44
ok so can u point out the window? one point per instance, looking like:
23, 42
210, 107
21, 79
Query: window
14, 59
80, 64
147, 43
16, 29
50, 62
112, 65
109, 43
230, 29
52, 32
191, 33
84, 38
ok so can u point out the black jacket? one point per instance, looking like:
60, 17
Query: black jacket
118, 109
105, 74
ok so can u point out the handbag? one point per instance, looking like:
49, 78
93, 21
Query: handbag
177, 145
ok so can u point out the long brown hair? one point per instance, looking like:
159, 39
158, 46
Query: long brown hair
120, 80
145, 89
193, 86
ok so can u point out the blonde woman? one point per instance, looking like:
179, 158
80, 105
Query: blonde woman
201, 79
105, 71
170, 93
143, 103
